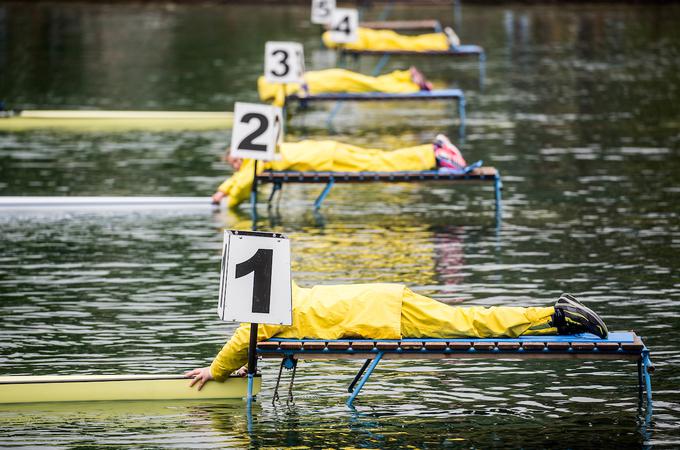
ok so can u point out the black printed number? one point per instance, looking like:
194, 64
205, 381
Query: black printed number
343, 26
283, 61
324, 9
247, 142
261, 264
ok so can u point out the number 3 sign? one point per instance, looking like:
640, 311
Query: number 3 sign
257, 131
284, 62
255, 285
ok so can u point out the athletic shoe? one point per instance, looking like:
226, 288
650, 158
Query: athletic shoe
447, 154
452, 37
572, 317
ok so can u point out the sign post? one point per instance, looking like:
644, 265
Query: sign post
255, 285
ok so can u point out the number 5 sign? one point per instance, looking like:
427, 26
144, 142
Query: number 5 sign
257, 131
255, 285
344, 26
322, 10
284, 62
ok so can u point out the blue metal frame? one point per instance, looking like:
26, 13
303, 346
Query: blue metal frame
645, 365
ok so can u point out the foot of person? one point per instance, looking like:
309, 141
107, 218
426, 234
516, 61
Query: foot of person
573, 317
454, 40
418, 78
447, 154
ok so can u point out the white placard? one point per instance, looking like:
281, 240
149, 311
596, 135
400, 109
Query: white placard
257, 131
322, 11
255, 284
344, 26
284, 62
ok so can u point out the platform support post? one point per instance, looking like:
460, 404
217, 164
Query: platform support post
497, 187
363, 380
646, 365
350, 388
482, 70
324, 194
253, 197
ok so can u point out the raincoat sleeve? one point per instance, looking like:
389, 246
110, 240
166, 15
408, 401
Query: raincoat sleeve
276, 92
234, 354
238, 186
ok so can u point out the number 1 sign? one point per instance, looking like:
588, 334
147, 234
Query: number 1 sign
255, 284
257, 131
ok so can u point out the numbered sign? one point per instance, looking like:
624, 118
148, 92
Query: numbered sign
257, 131
255, 284
322, 11
284, 62
344, 26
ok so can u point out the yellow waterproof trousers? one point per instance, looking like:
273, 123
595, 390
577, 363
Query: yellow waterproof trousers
337, 81
328, 156
382, 311
388, 40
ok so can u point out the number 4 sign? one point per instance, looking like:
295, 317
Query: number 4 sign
344, 26
255, 284
257, 131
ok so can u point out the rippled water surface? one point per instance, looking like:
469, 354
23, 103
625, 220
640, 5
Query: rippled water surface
579, 109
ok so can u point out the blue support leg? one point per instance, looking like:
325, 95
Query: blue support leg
251, 380
324, 194
363, 380
482, 70
461, 114
498, 186
276, 187
381, 64
647, 366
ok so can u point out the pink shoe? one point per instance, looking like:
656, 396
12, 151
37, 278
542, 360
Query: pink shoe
447, 154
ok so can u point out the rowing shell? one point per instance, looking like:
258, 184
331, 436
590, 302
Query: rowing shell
103, 202
94, 120
85, 388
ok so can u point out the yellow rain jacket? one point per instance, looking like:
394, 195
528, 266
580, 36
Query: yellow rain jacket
337, 81
388, 40
381, 311
331, 156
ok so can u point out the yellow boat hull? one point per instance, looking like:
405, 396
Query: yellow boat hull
33, 389
86, 120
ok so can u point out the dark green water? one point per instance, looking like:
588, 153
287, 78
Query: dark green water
580, 111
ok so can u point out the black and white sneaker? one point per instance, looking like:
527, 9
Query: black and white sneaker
572, 317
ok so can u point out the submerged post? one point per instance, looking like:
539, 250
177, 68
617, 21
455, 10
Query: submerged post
252, 360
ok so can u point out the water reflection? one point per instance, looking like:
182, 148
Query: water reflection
579, 112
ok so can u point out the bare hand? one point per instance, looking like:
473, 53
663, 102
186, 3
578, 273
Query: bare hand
217, 197
242, 372
200, 376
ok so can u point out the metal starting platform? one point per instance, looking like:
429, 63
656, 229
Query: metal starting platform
478, 175
437, 94
618, 346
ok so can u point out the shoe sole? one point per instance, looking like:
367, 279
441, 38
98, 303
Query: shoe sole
590, 315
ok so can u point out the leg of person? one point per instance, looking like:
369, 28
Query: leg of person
346, 81
423, 317
348, 158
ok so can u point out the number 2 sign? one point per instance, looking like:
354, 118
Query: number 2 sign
284, 62
344, 26
257, 131
255, 284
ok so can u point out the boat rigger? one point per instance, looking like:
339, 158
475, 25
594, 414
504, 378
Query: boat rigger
98, 120
85, 388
